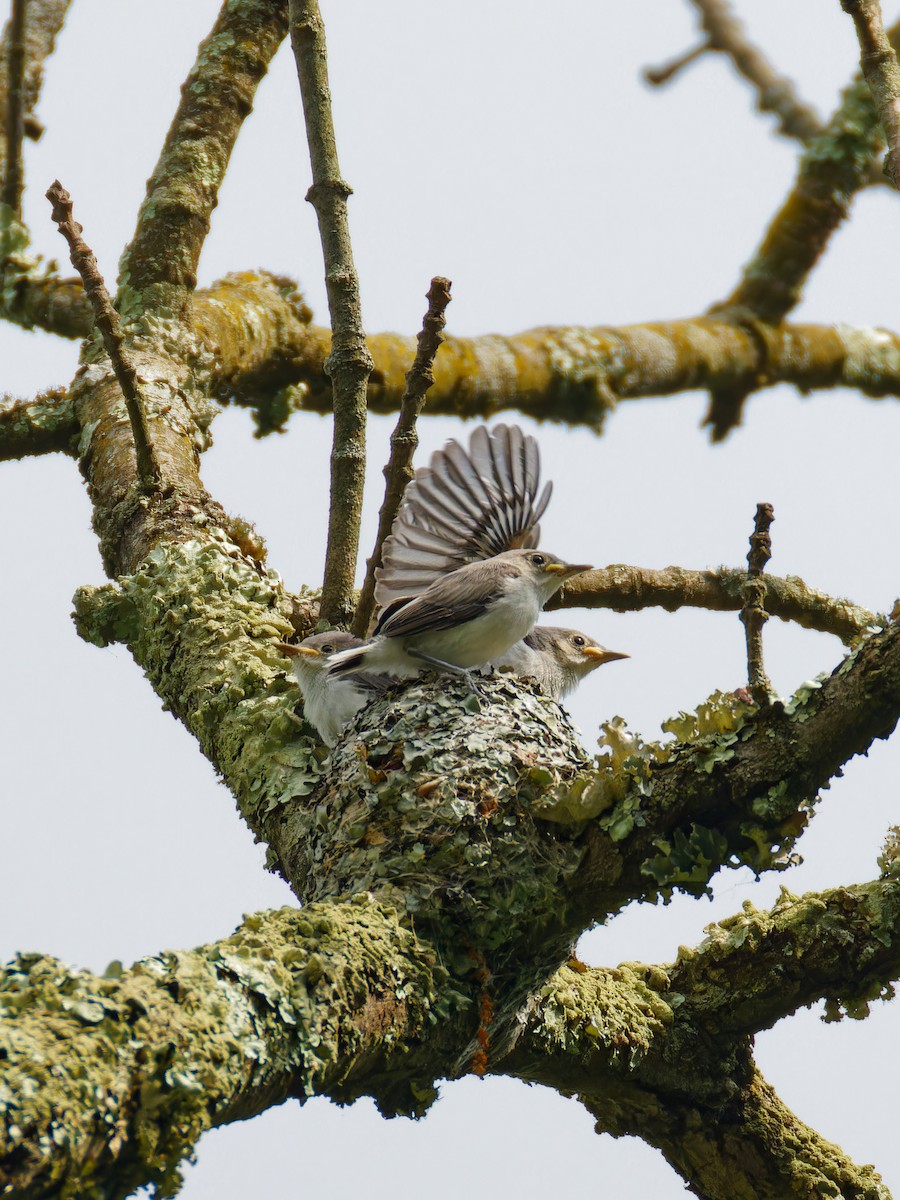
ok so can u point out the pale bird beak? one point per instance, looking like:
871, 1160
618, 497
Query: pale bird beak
296, 651
601, 656
567, 570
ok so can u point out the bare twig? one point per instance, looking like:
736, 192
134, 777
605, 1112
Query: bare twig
107, 321
666, 72
753, 613
13, 181
349, 363
404, 439
774, 93
882, 73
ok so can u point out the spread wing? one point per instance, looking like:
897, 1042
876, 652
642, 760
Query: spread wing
452, 599
463, 507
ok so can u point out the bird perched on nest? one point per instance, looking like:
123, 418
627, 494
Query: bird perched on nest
467, 617
470, 506
329, 702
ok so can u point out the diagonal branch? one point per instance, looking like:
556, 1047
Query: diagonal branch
158, 271
349, 363
882, 74
107, 321
842, 945
737, 786
775, 93
404, 440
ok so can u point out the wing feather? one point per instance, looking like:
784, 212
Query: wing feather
465, 506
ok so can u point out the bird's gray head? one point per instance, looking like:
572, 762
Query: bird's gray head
545, 570
313, 652
572, 650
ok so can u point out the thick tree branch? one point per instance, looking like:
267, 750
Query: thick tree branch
267, 355
349, 363
882, 74
158, 271
404, 440
110, 1080
628, 589
43, 425
736, 787
754, 968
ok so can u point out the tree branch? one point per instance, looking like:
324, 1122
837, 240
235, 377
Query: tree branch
882, 74
638, 1052
349, 364
404, 440
107, 320
13, 178
43, 425
736, 787
110, 1080
774, 93
159, 269
45, 20
832, 171
842, 945
753, 611
628, 589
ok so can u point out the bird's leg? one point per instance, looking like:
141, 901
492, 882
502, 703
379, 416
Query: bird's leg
445, 666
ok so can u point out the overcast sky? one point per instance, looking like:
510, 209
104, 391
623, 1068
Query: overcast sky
515, 149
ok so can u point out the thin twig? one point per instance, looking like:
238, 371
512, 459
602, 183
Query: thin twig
349, 363
666, 72
404, 439
14, 178
774, 93
107, 321
882, 73
753, 613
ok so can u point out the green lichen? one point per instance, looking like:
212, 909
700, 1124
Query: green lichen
579, 1012
434, 805
120, 1074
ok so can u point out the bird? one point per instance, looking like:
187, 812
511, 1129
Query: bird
467, 617
329, 701
466, 506
557, 658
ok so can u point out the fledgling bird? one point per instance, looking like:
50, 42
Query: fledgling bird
329, 701
463, 619
466, 506
557, 658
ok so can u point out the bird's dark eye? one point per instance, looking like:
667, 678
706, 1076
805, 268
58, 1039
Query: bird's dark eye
579, 641
328, 648
538, 560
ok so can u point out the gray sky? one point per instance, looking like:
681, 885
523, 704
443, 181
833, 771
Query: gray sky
523, 158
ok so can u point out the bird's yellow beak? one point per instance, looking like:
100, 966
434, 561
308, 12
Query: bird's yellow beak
567, 570
601, 656
296, 651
